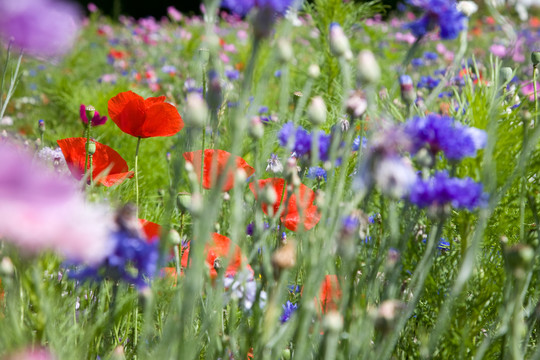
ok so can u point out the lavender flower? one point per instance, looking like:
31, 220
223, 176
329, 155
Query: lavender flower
442, 189
443, 13
288, 309
41, 210
439, 132
316, 173
39, 27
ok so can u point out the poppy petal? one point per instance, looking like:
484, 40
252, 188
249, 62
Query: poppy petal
162, 119
108, 167
310, 218
150, 229
120, 101
154, 100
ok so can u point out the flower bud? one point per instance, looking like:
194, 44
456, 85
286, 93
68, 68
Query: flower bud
408, 94
467, 7
269, 195
183, 201
314, 71
386, 316
519, 258
90, 112
339, 43
196, 111
506, 74
204, 55
535, 58
333, 321
368, 70
41, 126
285, 256
316, 111
6, 266
91, 148
356, 104
174, 237
256, 130
285, 50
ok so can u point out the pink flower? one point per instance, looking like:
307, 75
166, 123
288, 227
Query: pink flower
527, 89
498, 50
174, 14
42, 211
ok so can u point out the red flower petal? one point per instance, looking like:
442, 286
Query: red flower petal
144, 118
219, 162
151, 230
108, 167
220, 248
290, 216
329, 294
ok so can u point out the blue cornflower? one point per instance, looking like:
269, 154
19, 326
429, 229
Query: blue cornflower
428, 55
416, 62
243, 7
350, 225
356, 143
299, 141
288, 309
443, 244
442, 189
232, 74
133, 260
443, 13
263, 109
317, 173
428, 82
440, 132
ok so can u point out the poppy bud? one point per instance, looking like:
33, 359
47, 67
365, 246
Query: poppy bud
291, 173
118, 353
204, 55
333, 321
285, 256
316, 111
196, 111
256, 130
356, 104
6, 266
285, 50
506, 74
467, 7
368, 70
174, 237
196, 204
339, 44
183, 201
90, 112
535, 58
269, 195
91, 148
314, 71
407, 89
386, 316
519, 258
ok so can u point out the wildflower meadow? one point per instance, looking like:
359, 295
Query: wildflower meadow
270, 179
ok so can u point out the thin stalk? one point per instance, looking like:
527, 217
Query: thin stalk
137, 175
87, 132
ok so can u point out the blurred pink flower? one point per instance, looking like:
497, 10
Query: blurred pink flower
31, 354
40, 27
498, 50
174, 14
41, 211
527, 89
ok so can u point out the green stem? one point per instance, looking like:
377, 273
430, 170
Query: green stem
91, 171
137, 175
88, 127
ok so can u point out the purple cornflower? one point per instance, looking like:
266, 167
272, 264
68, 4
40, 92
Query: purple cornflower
428, 55
96, 120
443, 13
416, 62
357, 141
316, 173
299, 141
350, 225
443, 133
232, 75
40, 27
428, 82
288, 309
243, 7
442, 189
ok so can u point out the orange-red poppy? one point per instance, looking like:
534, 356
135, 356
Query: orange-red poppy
296, 212
108, 167
144, 118
151, 230
329, 294
216, 159
219, 248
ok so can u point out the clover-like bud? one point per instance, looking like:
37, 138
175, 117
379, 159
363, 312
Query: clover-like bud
339, 43
316, 111
368, 70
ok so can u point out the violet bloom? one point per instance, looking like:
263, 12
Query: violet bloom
438, 132
298, 140
288, 309
243, 7
39, 27
41, 211
96, 120
442, 13
442, 189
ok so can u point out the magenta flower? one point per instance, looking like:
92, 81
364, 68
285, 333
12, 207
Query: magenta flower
39, 27
43, 211
96, 120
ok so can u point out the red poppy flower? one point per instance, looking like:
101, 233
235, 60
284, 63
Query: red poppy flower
220, 248
108, 167
151, 230
290, 216
144, 118
216, 159
329, 294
